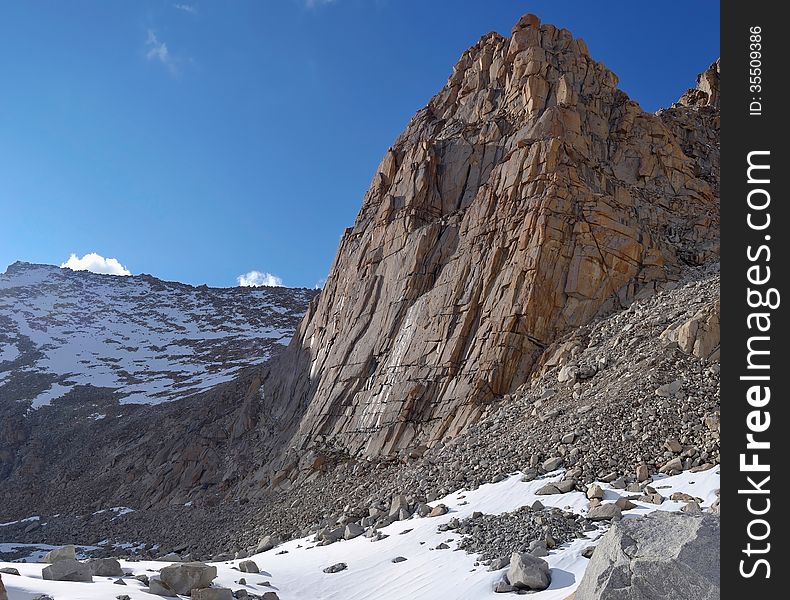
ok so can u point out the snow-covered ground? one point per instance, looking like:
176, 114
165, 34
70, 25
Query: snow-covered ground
427, 574
151, 340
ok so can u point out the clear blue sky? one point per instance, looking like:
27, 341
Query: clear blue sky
199, 140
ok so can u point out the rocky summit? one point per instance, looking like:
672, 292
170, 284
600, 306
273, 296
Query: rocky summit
515, 356
529, 197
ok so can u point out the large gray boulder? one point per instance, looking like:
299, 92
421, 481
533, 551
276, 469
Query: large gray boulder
185, 577
67, 569
63, 553
528, 572
105, 567
658, 556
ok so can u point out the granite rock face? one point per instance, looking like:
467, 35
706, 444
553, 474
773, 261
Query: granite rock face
528, 197
661, 555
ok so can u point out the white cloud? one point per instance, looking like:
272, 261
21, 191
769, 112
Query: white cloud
319, 285
157, 50
95, 263
258, 278
190, 8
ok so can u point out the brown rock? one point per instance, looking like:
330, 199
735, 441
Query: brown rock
529, 196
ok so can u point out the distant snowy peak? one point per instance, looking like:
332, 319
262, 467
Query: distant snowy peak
140, 338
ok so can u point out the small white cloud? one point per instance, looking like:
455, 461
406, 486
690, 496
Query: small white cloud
190, 8
258, 278
95, 263
319, 285
157, 50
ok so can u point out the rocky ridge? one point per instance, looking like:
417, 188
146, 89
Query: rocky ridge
528, 197
130, 391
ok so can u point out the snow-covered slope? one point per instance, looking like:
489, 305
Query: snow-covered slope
295, 569
150, 340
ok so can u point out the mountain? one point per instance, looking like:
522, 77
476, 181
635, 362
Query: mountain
529, 197
140, 339
528, 299
97, 374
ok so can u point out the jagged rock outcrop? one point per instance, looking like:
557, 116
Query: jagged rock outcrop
707, 91
527, 197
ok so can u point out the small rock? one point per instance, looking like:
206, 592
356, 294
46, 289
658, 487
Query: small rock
503, 587
398, 559
568, 438
669, 389
604, 512
588, 551
624, 504
642, 473
336, 568
674, 465
595, 491
692, 507
249, 566
438, 511
552, 464
651, 498
672, 445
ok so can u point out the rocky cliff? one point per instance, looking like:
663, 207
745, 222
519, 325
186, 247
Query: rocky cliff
528, 197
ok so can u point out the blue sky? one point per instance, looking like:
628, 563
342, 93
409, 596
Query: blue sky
199, 140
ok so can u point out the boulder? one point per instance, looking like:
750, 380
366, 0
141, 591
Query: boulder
595, 491
438, 511
170, 557
398, 503
63, 553
185, 577
267, 543
105, 567
159, 588
336, 568
67, 569
528, 572
353, 530
9, 571
212, 594
661, 555
604, 512
249, 566
552, 464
